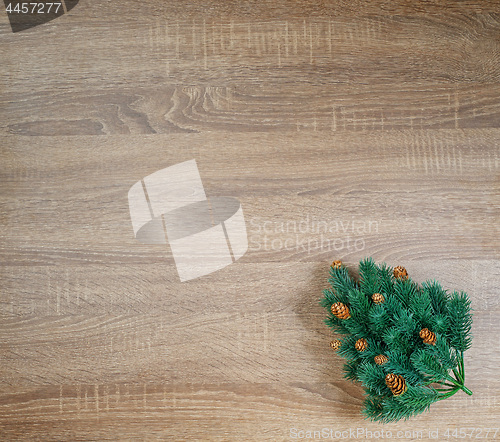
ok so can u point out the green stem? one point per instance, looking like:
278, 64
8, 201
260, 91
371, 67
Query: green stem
462, 364
464, 388
460, 379
447, 395
454, 384
458, 376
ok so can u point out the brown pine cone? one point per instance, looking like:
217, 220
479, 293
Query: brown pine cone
400, 272
336, 264
380, 359
428, 336
396, 383
340, 310
378, 298
361, 344
335, 344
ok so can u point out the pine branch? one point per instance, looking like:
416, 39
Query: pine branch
385, 279
341, 282
417, 399
421, 307
438, 296
369, 278
392, 324
337, 325
399, 337
378, 320
330, 297
414, 401
373, 377
360, 307
405, 290
400, 364
393, 410
443, 353
427, 365
375, 347
351, 371
347, 349
373, 409
406, 324
355, 327
394, 308
440, 324
460, 321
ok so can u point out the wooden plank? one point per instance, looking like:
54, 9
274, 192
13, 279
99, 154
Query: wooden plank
267, 108
222, 411
69, 206
282, 9
138, 288
284, 341
356, 50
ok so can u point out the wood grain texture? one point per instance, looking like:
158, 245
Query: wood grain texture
345, 129
196, 109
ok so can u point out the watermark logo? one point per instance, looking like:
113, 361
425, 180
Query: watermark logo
310, 236
25, 14
170, 206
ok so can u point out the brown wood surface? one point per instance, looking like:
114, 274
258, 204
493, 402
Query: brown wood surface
380, 119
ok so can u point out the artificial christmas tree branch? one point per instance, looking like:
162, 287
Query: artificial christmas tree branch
404, 342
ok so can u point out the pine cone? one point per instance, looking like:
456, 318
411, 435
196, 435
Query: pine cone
336, 264
340, 310
380, 359
428, 336
335, 344
361, 344
396, 383
378, 298
400, 272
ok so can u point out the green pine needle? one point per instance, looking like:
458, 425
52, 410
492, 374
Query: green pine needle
460, 321
351, 371
438, 296
372, 376
431, 371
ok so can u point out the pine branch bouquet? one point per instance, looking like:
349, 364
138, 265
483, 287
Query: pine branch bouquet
403, 341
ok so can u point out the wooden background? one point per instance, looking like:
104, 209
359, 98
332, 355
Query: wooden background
381, 118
